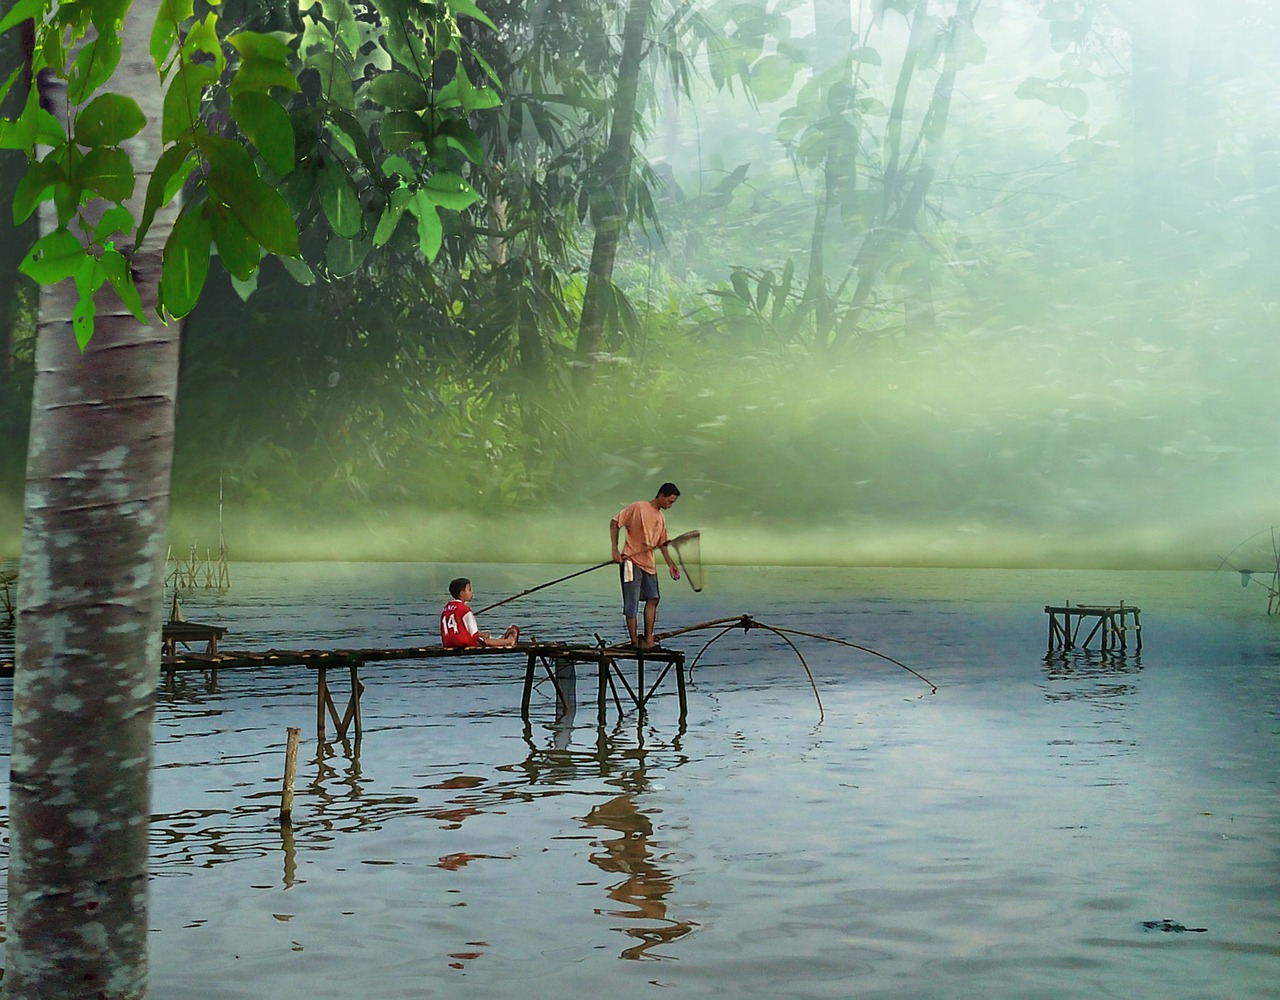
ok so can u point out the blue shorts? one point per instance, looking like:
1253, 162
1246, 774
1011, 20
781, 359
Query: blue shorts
643, 587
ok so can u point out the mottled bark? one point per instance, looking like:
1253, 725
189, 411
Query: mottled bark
88, 632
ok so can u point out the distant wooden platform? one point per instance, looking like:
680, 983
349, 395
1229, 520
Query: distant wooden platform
1110, 625
639, 683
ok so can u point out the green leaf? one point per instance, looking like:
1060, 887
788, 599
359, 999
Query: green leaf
201, 40
239, 252
351, 134
93, 67
165, 31
246, 287
449, 190
299, 271
15, 134
255, 203
89, 278
458, 133
430, 230
116, 219
473, 98
21, 133
392, 215
467, 8
268, 127
340, 199
183, 99
1034, 88
121, 278
108, 120
260, 75
405, 48
398, 166
109, 172
170, 173
23, 10
186, 261
54, 257
1074, 101
402, 129
398, 91
49, 130
343, 257
346, 29
772, 77
257, 45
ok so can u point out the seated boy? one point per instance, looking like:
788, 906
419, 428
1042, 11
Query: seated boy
458, 628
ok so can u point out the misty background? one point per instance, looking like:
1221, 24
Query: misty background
902, 283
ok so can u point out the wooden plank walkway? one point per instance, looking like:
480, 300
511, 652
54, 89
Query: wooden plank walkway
1110, 625
612, 680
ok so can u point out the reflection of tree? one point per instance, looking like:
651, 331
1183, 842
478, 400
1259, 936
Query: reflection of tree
646, 885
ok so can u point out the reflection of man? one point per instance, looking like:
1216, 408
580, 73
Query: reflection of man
645, 525
647, 885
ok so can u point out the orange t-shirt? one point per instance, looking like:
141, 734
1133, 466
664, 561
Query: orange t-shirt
646, 528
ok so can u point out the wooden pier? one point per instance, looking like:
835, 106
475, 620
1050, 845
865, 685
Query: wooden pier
1110, 625
637, 685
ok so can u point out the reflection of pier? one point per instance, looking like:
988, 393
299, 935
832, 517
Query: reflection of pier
1110, 624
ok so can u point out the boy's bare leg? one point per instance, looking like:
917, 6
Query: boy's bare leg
631, 631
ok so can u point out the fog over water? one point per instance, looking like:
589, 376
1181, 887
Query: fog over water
1070, 360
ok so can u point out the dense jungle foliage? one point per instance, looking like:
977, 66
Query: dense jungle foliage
871, 265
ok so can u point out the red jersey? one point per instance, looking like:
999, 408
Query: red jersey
458, 626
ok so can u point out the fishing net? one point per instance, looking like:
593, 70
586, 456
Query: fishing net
688, 550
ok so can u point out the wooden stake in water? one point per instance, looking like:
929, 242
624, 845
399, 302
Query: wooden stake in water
290, 773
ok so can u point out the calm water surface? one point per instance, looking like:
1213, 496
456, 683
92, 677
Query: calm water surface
1005, 837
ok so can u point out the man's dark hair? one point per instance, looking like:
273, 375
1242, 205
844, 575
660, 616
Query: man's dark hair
668, 490
456, 586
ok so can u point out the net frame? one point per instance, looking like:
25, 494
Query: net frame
688, 549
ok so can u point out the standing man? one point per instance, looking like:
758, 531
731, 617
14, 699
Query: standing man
645, 525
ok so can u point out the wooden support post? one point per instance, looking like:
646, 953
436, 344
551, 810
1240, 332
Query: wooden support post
290, 774
640, 695
352, 714
528, 686
684, 708
602, 694
322, 696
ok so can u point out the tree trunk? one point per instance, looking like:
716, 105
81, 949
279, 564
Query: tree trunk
833, 43
610, 214
15, 49
88, 632
904, 192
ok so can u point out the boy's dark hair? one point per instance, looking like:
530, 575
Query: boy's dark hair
456, 586
668, 490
